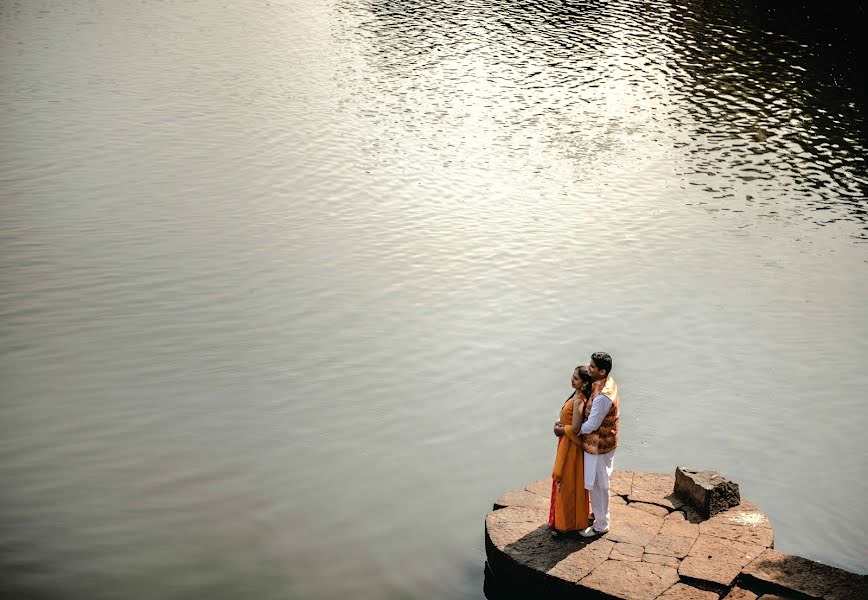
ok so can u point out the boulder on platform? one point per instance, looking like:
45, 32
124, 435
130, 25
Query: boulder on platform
706, 491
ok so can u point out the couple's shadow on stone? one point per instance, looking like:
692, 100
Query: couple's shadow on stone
540, 551
534, 556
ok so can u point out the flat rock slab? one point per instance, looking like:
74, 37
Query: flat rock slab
680, 591
522, 498
621, 483
543, 487
509, 525
717, 560
580, 563
675, 538
630, 580
632, 526
630, 552
654, 488
738, 593
653, 509
816, 580
706, 491
518, 544
657, 559
742, 523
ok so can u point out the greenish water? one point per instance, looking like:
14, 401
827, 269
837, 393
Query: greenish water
290, 292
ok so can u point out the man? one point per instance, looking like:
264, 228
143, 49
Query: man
599, 439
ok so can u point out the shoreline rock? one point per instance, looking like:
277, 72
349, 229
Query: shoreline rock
658, 546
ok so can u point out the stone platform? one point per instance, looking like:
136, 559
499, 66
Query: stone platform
657, 547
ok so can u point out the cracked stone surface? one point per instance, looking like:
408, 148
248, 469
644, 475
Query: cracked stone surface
631, 580
584, 560
675, 537
806, 576
681, 591
653, 509
669, 561
623, 551
742, 523
522, 498
717, 560
543, 487
650, 552
655, 488
508, 525
621, 482
631, 525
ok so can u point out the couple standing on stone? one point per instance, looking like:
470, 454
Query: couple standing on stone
587, 434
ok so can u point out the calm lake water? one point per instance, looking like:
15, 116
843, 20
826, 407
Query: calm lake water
291, 291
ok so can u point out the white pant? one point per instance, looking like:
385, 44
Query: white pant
598, 469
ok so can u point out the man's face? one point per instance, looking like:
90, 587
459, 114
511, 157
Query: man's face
596, 374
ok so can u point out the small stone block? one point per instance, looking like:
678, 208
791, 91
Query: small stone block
706, 491
738, 593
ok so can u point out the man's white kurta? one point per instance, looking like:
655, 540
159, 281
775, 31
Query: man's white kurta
598, 467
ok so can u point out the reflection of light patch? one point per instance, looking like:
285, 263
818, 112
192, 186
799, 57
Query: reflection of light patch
747, 518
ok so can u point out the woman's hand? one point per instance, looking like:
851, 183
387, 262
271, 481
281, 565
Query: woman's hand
558, 428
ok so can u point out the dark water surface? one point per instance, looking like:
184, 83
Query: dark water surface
291, 291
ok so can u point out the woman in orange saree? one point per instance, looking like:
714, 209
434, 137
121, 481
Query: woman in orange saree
570, 502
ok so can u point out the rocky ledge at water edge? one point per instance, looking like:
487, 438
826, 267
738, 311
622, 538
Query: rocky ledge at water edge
703, 543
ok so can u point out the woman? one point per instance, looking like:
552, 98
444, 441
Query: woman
570, 503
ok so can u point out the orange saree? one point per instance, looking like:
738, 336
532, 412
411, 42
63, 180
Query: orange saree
570, 502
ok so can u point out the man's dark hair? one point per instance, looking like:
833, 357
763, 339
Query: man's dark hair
603, 361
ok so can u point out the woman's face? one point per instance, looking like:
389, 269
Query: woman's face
577, 381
